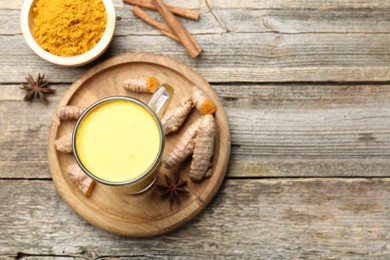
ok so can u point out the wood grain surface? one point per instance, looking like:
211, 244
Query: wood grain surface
358, 146
305, 85
302, 45
256, 219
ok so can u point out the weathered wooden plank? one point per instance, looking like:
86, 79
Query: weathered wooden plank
299, 4
268, 219
317, 128
241, 166
242, 57
24, 132
260, 16
249, 57
302, 20
277, 130
301, 16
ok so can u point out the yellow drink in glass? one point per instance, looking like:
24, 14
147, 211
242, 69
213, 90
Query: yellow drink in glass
118, 141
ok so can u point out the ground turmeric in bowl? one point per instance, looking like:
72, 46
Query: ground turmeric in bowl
68, 27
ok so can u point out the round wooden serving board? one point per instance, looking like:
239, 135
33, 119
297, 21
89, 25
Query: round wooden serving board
147, 214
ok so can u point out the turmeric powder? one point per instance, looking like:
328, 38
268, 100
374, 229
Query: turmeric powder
68, 27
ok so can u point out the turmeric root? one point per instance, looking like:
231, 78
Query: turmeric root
82, 181
147, 85
70, 112
204, 149
202, 102
64, 143
174, 118
184, 147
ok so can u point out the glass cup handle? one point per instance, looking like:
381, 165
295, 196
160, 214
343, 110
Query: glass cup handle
161, 99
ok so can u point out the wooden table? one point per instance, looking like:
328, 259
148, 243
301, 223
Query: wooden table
305, 85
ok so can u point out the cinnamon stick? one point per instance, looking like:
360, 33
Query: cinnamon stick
185, 37
193, 15
137, 11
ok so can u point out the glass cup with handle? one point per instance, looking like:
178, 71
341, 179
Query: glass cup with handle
119, 140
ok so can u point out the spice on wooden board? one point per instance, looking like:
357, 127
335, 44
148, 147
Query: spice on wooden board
145, 85
70, 112
84, 183
64, 143
202, 102
198, 140
173, 189
36, 88
68, 27
184, 147
204, 149
176, 116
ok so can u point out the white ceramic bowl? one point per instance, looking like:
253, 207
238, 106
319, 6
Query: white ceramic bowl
26, 20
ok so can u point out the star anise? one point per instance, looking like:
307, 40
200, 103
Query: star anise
173, 189
36, 89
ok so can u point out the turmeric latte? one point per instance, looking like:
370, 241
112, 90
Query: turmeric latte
68, 27
118, 141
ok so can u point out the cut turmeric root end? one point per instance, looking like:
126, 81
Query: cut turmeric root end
84, 183
64, 143
152, 84
202, 102
207, 107
88, 186
142, 85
